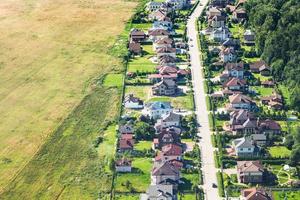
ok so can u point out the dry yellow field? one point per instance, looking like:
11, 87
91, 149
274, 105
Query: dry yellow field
50, 53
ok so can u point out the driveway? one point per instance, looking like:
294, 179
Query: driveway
208, 167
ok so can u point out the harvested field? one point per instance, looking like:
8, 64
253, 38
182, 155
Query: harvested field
51, 53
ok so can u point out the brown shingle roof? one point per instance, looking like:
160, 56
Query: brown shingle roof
250, 166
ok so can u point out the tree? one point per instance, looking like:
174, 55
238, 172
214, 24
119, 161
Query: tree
295, 156
143, 130
289, 141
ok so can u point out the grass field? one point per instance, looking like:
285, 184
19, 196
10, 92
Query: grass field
180, 102
262, 91
143, 145
279, 152
69, 166
127, 197
113, 80
141, 64
141, 92
139, 179
290, 195
51, 53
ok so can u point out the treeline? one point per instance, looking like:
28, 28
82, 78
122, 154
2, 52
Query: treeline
277, 27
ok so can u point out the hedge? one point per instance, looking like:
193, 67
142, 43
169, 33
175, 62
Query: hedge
220, 184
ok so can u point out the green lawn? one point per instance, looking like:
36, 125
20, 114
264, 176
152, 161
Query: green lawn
142, 26
113, 80
190, 180
141, 92
279, 195
139, 179
180, 102
262, 91
143, 145
279, 152
250, 60
107, 147
188, 196
237, 31
141, 64
260, 77
149, 49
127, 196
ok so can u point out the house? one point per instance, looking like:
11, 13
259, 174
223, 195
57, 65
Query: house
132, 102
153, 6
137, 35
217, 21
158, 15
157, 34
240, 101
177, 4
161, 192
268, 83
235, 70
213, 11
239, 15
165, 24
228, 55
156, 78
236, 84
259, 139
167, 87
126, 143
219, 3
269, 127
123, 165
265, 70
220, 34
169, 152
250, 172
249, 37
126, 129
245, 147
230, 8
241, 3
166, 60
157, 109
167, 69
169, 51
163, 42
255, 194
135, 48
163, 171
242, 122
169, 120
274, 101
231, 43
260, 67
167, 136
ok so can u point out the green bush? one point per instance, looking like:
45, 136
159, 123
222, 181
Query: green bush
220, 184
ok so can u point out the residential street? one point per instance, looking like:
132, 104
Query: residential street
208, 167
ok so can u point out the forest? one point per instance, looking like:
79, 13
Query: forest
277, 27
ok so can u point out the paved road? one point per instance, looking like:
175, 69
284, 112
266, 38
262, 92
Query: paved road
208, 167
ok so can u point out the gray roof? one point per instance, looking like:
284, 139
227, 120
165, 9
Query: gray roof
126, 129
156, 191
259, 137
158, 105
243, 143
164, 169
171, 117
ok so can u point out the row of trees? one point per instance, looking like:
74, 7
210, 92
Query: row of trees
277, 28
